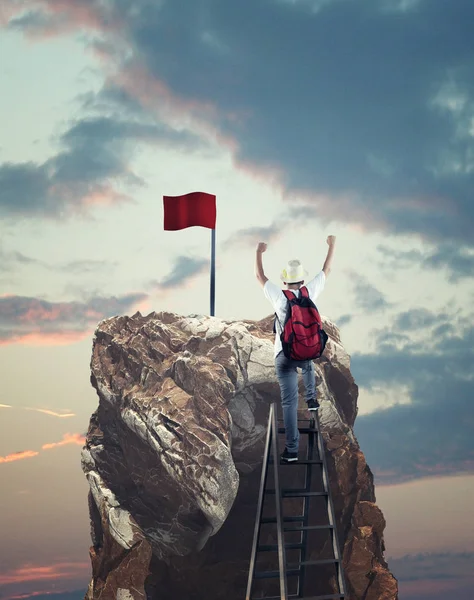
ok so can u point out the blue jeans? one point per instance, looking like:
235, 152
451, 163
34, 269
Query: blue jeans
288, 379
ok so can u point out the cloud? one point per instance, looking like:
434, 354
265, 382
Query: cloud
93, 167
44, 595
185, 269
381, 140
68, 438
343, 320
432, 434
442, 565
31, 572
18, 456
80, 267
434, 576
52, 413
458, 260
346, 126
46, 18
11, 261
37, 321
367, 297
45, 411
253, 235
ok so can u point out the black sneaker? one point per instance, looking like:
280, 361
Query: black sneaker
287, 457
313, 405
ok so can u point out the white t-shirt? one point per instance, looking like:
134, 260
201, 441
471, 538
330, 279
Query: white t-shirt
280, 303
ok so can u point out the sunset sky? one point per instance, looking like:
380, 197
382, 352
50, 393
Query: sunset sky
305, 118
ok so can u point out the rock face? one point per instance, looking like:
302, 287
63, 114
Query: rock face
173, 460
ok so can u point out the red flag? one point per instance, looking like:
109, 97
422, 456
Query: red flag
196, 208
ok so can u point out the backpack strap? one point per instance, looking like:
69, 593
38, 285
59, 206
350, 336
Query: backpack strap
304, 291
289, 295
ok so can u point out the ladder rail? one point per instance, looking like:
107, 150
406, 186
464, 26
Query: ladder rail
331, 511
271, 449
279, 508
261, 494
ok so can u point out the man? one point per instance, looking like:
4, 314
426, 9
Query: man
293, 276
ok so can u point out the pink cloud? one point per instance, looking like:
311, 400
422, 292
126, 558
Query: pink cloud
154, 95
39, 338
35, 321
64, 16
56, 571
98, 195
51, 412
34, 594
18, 456
68, 438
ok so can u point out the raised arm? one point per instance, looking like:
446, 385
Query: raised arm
259, 265
331, 241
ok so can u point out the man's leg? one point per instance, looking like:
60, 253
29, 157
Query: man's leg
288, 380
307, 370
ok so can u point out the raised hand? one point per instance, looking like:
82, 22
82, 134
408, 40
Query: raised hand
261, 247
331, 240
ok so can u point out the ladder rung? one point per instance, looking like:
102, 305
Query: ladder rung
301, 494
326, 597
297, 519
300, 429
308, 527
296, 493
321, 561
291, 597
300, 462
274, 547
295, 569
272, 574
299, 420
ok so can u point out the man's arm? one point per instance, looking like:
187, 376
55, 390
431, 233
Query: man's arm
259, 265
331, 241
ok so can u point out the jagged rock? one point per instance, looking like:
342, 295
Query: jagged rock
173, 459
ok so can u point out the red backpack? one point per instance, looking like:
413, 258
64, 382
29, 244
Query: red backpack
303, 337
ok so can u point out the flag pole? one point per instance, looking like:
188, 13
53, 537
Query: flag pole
213, 270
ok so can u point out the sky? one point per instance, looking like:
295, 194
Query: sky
305, 118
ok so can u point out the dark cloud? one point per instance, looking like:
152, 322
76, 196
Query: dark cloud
13, 260
80, 267
445, 565
368, 104
433, 434
367, 296
458, 260
23, 318
420, 318
343, 320
184, 269
92, 167
75, 595
363, 107
254, 235
384, 133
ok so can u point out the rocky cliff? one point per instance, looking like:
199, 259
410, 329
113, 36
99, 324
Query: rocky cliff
173, 458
